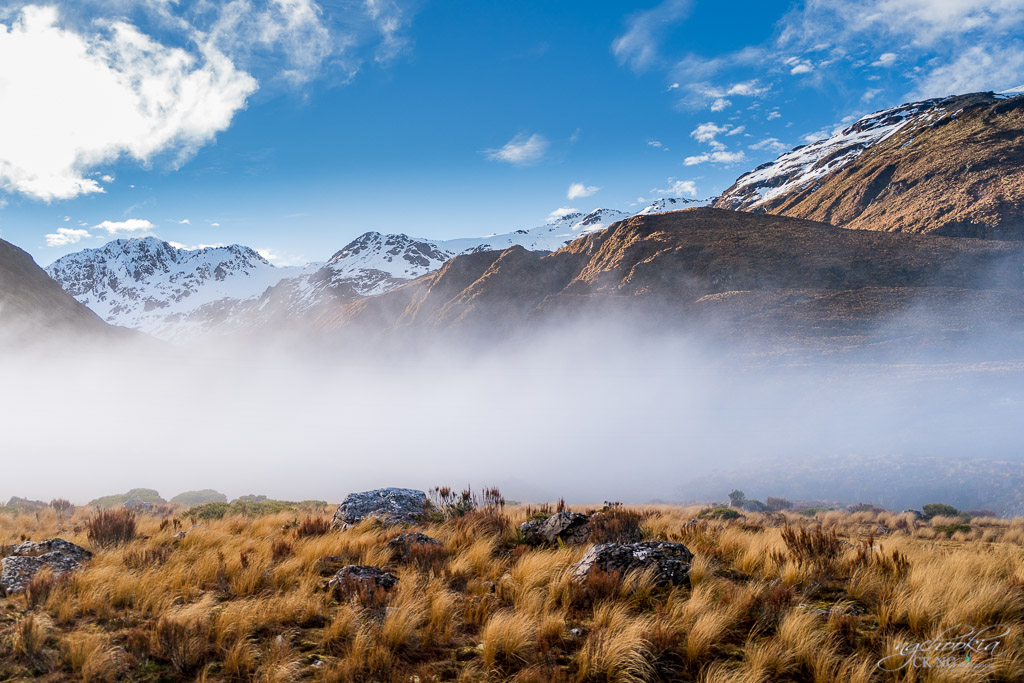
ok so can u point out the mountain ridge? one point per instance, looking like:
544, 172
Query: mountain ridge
951, 166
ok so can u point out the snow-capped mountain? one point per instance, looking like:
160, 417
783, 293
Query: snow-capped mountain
172, 293
802, 166
147, 284
946, 166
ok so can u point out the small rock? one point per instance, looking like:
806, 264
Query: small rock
25, 560
403, 546
390, 505
358, 577
576, 632
568, 527
670, 561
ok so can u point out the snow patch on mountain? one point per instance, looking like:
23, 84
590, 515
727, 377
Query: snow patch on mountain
802, 166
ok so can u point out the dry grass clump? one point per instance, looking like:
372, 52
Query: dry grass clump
773, 597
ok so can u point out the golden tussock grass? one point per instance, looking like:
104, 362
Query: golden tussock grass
774, 597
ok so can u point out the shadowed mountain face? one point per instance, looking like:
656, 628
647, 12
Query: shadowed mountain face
34, 308
952, 166
754, 275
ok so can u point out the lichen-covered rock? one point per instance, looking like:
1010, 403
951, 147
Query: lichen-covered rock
405, 545
568, 527
25, 561
390, 505
670, 561
362, 578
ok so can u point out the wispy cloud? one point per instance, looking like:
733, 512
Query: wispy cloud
577, 190
770, 144
960, 46
522, 150
638, 46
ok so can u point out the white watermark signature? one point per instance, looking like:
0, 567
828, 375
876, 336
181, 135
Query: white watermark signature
958, 647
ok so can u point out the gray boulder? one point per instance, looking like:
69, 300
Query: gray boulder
27, 559
359, 578
568, 527
670, 561
391, 506
403, 546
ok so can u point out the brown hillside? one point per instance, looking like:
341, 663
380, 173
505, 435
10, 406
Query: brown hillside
956, 169
759, 269
34, 308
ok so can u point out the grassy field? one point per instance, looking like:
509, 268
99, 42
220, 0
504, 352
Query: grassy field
775, 597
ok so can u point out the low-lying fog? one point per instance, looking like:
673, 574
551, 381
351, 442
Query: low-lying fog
590, 414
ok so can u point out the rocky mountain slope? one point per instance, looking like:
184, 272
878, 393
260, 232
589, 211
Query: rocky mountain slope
952, 166
761, 274
34, 308
174, 293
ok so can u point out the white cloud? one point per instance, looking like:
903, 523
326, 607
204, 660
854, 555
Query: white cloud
3, 203
65, 236
886, 60
770, 144
107, 178
677, 188
772, 115
280, 259
658, 144
184, 221
292, 30
751, 88
578, 190
561, 213
520, 150
738, 130
129, 226
153, 99
802, 68
638, 46
706, 132
719, 157
960, 45
979, 67
215, 225
720, 104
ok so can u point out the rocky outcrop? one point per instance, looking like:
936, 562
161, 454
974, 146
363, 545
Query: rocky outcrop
390, 506
669, 561
27, 559
406, 545
363, 579
569, 527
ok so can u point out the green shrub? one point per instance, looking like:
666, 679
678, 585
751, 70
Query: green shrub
200, 497
939, 510
720, 512
142, 495
950, 529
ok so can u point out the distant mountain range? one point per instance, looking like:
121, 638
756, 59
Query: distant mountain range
149, 285
811, 240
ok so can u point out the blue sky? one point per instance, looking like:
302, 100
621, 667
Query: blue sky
293, 126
